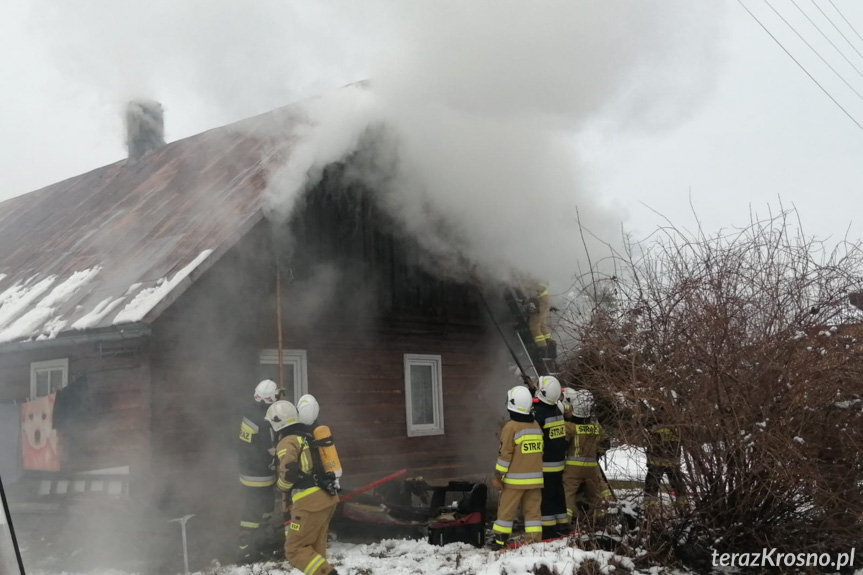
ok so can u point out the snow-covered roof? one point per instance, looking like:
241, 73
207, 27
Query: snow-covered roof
117, 245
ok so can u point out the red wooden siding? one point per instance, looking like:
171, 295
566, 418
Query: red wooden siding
118, 427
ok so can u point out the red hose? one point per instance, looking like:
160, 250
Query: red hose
371, 486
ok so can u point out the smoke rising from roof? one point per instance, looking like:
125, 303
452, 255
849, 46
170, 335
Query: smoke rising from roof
469, 128
484, 102
145, 127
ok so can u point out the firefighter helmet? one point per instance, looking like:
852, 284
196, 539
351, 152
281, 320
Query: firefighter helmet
519, 400
281, 414
308, 409
568, 395
582, 403
267, 391
548, 390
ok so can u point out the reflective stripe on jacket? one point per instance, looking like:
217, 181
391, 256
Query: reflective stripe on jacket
256, 447
519, 460
585, 442
550, 420
295, 449
663, 446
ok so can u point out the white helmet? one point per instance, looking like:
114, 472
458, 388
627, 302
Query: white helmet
519, 400
582, 403
308, 409
281, 414
567, 395
548, 390
266, 391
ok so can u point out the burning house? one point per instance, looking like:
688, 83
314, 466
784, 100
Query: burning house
141, 302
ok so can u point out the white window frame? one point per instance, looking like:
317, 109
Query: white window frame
437, 427
296, 359
52, 365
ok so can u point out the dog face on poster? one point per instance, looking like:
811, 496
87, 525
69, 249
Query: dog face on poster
39, 449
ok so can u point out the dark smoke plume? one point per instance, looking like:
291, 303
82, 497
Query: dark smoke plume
145, 127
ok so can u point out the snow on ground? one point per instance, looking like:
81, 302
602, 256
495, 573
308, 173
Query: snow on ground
625, 463
406, 557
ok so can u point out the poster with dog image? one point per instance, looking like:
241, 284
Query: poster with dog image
39, 449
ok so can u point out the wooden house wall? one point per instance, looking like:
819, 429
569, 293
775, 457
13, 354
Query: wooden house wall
360, 386
116, 429
205, 349
345, 302
205, 355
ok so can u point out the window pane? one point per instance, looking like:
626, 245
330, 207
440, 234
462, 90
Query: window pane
290, 387
422, 395
56, 379
43, 382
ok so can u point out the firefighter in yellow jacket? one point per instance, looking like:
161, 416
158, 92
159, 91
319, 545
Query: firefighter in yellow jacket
585, 443
518, 473
538, 306
663, 459
312, 504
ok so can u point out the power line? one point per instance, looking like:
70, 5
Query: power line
826, 63
817, 27
837, 27
754, 17
847, 22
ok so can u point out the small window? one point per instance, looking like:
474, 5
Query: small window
296, 383
47, 377
423, 395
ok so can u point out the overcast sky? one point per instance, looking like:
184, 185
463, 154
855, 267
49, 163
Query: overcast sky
757, 129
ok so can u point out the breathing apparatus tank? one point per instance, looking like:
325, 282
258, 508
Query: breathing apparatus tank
327, 453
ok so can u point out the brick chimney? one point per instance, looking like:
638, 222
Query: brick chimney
145, 127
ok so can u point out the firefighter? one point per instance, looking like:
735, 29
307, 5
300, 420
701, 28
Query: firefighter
320, 437
538, 308
518, 473
663, 459
555, 521
586, 442
307, 412
312, 506
257, 474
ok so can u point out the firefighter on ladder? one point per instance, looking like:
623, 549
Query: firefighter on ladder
313, 501
538, 307
555, 521
586, 442
257, 474
518, 472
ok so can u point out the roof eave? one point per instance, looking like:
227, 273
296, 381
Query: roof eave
117, 333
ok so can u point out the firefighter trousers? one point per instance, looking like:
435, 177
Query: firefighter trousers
592, 487
306, 540
555, 521
510, 501
538, 322
653, 479
255, 519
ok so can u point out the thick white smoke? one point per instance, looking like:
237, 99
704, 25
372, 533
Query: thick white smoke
481, 103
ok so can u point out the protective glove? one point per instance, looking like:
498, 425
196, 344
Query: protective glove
497, 484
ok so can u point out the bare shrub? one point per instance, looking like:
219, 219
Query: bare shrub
745, 341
